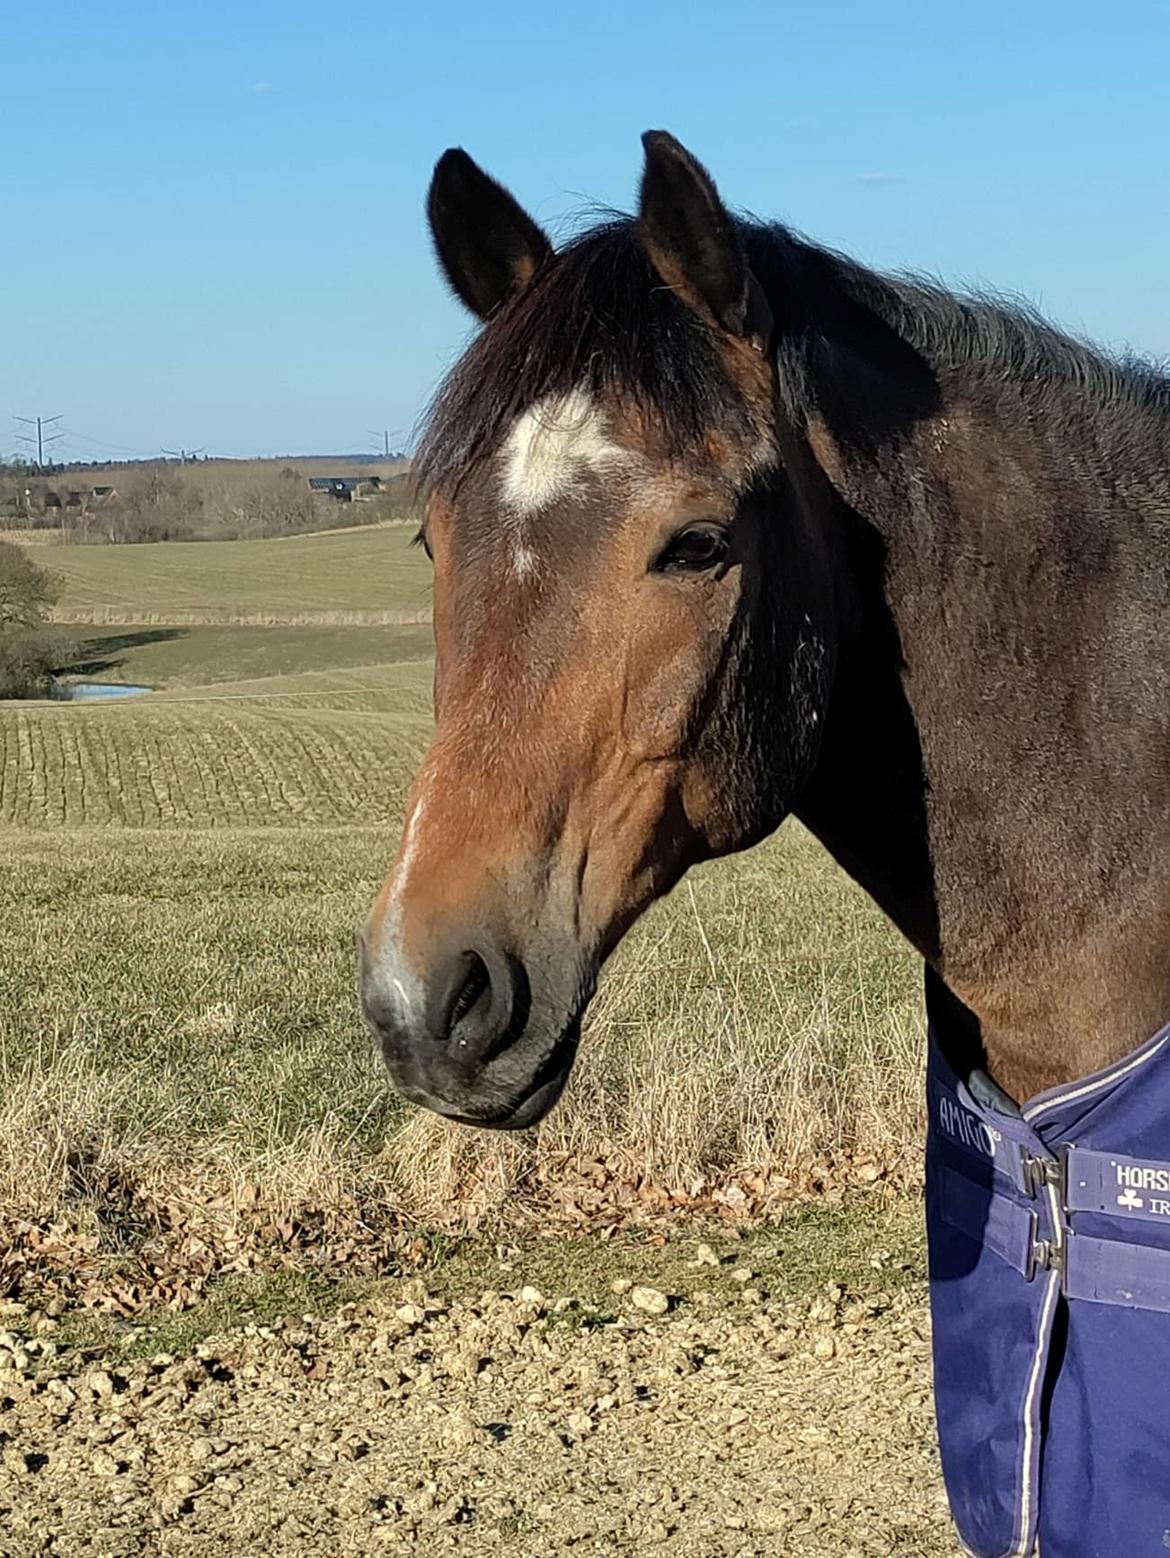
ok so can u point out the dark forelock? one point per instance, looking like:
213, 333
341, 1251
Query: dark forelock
598, 316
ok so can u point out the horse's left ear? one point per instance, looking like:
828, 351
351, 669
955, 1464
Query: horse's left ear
488, 245
693, 241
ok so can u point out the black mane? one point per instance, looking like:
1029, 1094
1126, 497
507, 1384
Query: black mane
599, 316
984, 338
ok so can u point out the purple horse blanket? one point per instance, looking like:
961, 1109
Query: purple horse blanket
1049, 1238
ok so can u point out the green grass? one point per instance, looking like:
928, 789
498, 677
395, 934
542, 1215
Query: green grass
196, 989
404, 688
355, 576
171, 657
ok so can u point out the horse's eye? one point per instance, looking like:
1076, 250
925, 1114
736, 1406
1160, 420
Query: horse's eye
694, 550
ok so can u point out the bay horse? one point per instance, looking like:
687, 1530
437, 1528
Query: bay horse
726, 526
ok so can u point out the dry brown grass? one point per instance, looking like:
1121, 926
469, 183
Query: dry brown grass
731, 1071
73, 1146
50, 536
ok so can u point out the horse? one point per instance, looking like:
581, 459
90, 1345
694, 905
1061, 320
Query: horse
728, 527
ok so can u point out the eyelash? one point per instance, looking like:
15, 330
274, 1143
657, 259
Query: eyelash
713, 550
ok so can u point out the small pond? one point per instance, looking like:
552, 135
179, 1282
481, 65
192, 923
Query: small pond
92, 692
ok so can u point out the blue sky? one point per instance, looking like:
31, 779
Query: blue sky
215, 230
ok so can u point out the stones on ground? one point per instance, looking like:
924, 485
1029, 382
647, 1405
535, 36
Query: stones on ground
495, 1425
15, 1461
100, 1384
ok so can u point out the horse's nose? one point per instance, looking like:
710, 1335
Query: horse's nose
457, 1020
472, 1002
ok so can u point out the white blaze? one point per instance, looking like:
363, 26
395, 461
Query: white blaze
409, 851
551, 446
406, 985
524, 560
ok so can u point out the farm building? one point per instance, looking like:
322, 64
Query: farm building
346, 489
83, 501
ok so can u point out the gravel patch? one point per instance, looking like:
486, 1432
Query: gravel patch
523, 1423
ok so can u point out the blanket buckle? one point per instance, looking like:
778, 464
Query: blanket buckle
1047, 1255
1038, 1173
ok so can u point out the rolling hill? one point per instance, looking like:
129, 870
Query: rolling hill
369, 575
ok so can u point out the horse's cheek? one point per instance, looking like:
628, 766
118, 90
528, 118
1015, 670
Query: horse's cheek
673, 657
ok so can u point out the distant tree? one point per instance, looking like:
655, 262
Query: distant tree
28, 649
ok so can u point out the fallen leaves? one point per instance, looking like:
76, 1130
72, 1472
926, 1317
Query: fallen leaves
132, 1247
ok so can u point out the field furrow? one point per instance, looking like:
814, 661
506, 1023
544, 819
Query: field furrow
202, 765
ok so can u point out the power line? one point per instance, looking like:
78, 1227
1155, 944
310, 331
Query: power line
98, 443
41, 439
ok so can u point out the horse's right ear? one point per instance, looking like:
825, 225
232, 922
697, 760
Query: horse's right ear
488, 245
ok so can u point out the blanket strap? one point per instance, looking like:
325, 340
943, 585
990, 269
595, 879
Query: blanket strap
1121, 1271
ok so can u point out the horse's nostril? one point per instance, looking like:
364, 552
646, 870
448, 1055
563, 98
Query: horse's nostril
476, 984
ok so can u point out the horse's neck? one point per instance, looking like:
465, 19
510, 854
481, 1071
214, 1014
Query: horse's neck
1012, 812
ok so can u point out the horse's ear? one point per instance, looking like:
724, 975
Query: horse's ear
693, 242
488, 245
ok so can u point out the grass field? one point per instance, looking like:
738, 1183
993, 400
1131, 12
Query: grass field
184, 873
370, 575
207, 762
173, 657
